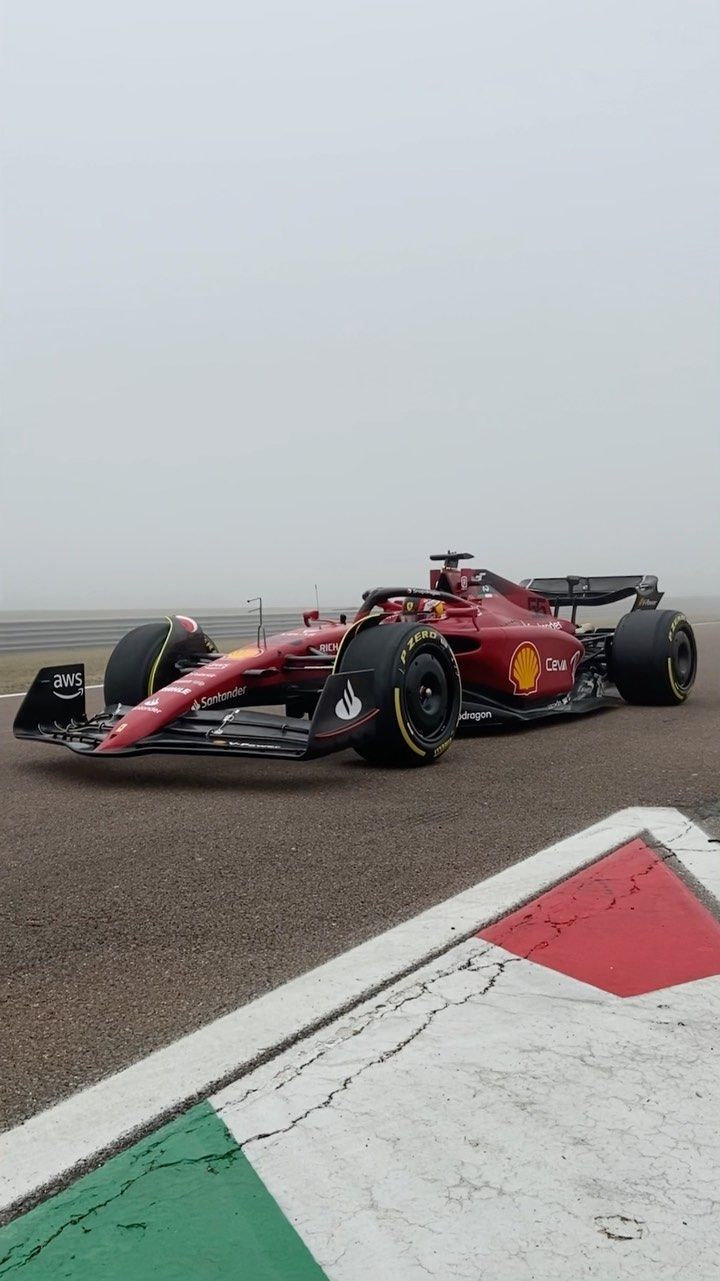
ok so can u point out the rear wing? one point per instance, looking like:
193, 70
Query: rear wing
575, 590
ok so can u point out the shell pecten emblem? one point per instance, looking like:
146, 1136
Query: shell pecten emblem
525, 669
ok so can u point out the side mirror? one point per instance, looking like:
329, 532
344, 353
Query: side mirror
311, 616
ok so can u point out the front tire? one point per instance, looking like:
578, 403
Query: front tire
653, 660
417, 688
146, 658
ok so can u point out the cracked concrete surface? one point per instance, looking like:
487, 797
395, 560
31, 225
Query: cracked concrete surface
428, 1003
184, 1202
145, 1163
481, 1118
492, 1120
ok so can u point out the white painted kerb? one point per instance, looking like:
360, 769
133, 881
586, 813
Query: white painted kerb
74, 1132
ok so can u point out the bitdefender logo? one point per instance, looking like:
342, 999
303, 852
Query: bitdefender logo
67, 684
349, 705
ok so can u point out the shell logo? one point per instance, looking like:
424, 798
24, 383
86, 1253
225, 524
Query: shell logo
525, 669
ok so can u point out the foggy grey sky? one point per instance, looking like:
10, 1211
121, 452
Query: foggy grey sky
302, 292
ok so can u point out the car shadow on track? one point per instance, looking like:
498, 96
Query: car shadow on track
157, 773
192, 777
542, 724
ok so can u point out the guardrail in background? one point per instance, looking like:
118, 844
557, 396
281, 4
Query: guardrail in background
20, 635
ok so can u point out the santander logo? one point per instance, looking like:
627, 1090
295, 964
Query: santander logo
349, 705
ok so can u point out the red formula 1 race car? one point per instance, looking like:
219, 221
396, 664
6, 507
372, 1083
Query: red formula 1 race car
394, 683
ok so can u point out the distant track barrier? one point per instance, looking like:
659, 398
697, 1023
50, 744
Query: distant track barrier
22, 635
100, 631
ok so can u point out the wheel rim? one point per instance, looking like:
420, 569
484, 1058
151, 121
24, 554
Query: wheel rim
683, 659
426, 697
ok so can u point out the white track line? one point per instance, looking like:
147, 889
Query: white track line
74, 1132
24, 692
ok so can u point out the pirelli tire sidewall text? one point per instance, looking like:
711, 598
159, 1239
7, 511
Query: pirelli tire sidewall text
418, 693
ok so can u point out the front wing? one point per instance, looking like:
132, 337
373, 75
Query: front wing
53, 711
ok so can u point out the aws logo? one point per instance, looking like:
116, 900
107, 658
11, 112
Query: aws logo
525, 669
67, 684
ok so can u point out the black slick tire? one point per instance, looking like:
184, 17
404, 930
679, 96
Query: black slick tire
145, 659
653, 659
417, 690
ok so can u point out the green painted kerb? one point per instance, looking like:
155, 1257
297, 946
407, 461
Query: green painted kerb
182, 1205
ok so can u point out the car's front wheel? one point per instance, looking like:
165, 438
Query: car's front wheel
417, 691
146, 658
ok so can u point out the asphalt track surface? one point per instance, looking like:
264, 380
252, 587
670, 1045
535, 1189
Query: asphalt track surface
142, 898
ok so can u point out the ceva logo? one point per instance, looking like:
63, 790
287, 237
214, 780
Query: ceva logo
67, 684
349, 705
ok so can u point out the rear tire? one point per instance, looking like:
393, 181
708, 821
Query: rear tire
417, 689
145, 659
653, 660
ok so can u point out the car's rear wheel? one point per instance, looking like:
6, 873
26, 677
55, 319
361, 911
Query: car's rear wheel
417, 691
146, 658
653, 659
